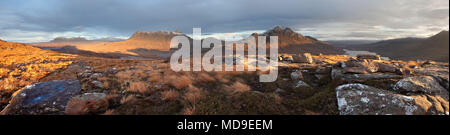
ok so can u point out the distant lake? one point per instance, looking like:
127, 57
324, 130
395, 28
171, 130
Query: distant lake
355, 53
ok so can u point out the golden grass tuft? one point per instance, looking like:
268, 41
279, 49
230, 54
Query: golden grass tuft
178, 82
170, 95
138, 87
204, 78
238, 87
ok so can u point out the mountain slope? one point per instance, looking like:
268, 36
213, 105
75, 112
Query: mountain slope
433, 48
159, 41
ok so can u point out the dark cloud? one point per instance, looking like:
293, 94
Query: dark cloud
123, 17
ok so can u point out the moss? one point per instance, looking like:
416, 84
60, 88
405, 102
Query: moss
322, 102
144, 107
242, 103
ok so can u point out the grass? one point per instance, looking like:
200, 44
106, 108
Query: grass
21, 65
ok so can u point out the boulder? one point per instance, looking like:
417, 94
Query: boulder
339, 74
97, 84
359, 67
297, 75
301, 83
422, 84
359, 99
43, 98
384, 67
303, 58
368, 57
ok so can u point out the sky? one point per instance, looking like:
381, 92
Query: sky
42, 20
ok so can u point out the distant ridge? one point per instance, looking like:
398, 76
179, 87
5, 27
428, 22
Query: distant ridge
70, 39
157, 40
289, 42
434, 48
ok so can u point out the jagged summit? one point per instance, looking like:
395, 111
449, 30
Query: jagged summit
287, 36
69, 39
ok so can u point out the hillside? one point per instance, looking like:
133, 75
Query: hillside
74, 41
159, 40
21, 65
433, 48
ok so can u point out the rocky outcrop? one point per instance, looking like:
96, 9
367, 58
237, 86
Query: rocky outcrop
359, 99
303, 58
43, 98
421, 84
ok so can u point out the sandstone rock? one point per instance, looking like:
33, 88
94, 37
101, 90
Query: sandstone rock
43, 98
339, 74
422, 84
112, 71
297, 75
359, 67
383, 67
96, 75
303, 58
301, 83
368, 57
404, 71
356, 70
97, 84
359, 99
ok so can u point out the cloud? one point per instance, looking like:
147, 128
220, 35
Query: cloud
332, 19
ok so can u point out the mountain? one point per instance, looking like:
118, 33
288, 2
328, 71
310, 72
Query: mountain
286, 37
294, 43
154, 41
433, 48
74, 41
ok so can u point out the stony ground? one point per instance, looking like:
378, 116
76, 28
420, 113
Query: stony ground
312, 85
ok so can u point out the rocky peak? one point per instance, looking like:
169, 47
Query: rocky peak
287, 36
69, 39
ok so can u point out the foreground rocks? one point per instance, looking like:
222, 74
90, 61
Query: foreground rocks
43, 98
359, 99
368, 85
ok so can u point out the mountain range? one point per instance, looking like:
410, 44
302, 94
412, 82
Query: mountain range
434, 48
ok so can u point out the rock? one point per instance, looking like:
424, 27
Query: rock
303, 58
339, 74
359, 99
96, 75
297, 75
404, 71
289, 59
91, 96
383, 67
278, 90
357, 70
97, 84
359, 67
85, 74
112, 71
301, 83
43, 98
422, 84
368, 57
